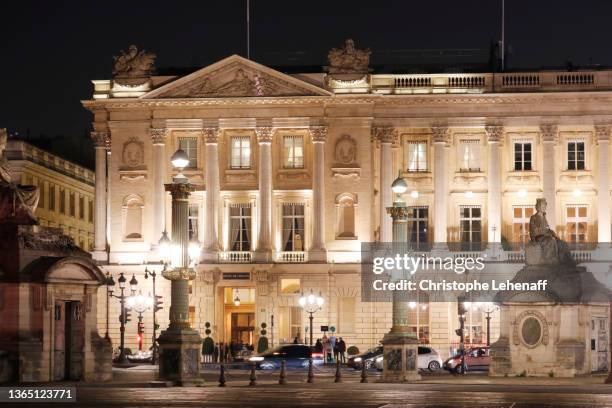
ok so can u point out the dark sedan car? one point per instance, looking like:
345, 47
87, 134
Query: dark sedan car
368, 357
295, 356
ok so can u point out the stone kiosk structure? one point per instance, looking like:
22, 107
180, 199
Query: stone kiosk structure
48, 296
547, 333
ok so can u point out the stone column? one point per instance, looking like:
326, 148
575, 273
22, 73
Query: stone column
495, 134
386, 135
602, 133
211, 234
549, 184
400, 345
264, 238
317, 250
158, 138
440, 140
101, 141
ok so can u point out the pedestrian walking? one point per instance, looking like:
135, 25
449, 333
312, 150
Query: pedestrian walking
341, 350
325, 343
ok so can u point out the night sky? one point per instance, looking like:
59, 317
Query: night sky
52, 49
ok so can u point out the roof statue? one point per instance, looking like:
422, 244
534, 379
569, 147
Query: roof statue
348, 60
134, 64
17, 202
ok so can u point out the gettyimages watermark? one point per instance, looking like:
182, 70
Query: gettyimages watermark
484, 274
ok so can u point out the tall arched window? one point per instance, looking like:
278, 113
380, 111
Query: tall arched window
345, 226
132, 217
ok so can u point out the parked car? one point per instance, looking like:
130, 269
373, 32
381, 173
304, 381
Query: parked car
295, 356
476, 359
428, 359
368, 357
140, 357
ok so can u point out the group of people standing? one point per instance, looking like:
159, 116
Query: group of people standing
333, 348
227, 352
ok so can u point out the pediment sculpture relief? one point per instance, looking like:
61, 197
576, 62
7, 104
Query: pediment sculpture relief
348, 60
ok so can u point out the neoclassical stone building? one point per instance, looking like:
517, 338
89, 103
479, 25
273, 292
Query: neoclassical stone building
293, 173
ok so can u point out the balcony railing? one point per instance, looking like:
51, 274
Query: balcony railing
291, 257
235, 257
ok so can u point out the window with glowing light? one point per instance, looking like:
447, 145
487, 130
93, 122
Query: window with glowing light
470, 227
240, 227
293, 152
293, 227
190, 146
575, 156
469, 155
290, 323
290, 286
240, 152
194, 220
418, 318
522, 156
473, 325
416, 155
576, 223
520, 223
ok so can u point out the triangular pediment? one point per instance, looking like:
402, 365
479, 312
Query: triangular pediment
235, 76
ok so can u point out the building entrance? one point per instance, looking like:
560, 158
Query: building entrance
239, 317
69, 340
599, 344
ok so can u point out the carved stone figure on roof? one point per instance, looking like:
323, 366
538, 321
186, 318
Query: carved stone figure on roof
545, 246
348, 60
134, 63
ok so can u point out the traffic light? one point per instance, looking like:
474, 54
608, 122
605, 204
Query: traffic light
158, 303
141, 327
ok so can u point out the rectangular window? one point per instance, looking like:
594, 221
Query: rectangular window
293, 152
293, 227
240, 152
346, 315
190, 146
72, 205
469, 155
520, 223
192, 315
42, 196
575, 156
417, 227
290, 323
473, 327
90, 210
418, 318
194, 212
240, 227
470, 225
81, 207
51, 197
522, 156
62, 201
290, 286
416, 155
576, 223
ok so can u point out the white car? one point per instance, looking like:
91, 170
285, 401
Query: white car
429, 359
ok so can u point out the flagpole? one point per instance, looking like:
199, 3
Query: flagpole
248, 22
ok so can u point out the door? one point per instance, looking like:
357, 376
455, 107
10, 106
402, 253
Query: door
599, 344
59, 343
75, 340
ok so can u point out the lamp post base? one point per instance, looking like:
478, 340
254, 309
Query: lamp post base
179, 356
400, 351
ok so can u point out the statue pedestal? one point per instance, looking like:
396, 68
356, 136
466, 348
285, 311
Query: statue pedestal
400, 352
179, 356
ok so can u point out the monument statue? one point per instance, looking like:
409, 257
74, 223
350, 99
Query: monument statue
16, 201
545, 247
348, 60
134, 63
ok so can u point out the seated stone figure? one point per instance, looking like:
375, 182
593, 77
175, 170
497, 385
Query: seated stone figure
545, 247
17, 202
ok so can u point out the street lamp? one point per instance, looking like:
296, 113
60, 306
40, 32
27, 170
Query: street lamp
109, 291
489, 309
152, 274
179, 339
123, 317
311, 304
140, 304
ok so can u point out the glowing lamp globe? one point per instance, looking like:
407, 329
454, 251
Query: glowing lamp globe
179, 159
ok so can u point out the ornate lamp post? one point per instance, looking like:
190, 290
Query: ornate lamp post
311, 304
140, 304
179, 344
156, 306
110, 282
489, 309
123, 317
399, 344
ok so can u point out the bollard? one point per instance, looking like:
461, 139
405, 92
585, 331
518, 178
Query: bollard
310, 372
364, 373
283, 375
253, 377
221, 375
338, 373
